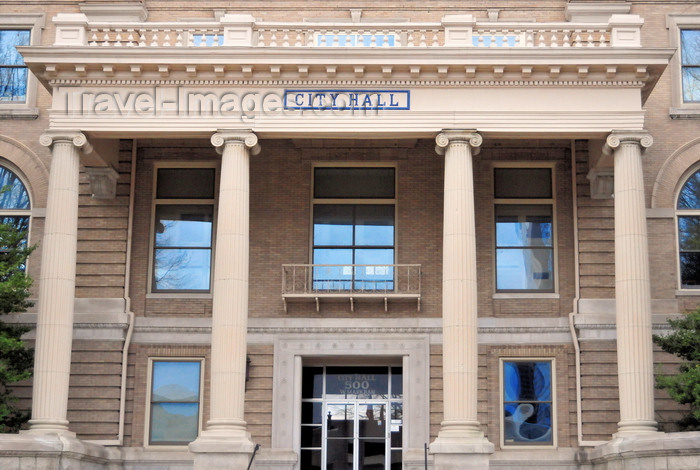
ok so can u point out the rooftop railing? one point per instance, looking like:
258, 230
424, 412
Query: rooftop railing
244, 30
316, 282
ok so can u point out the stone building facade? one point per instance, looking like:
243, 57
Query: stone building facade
352, 235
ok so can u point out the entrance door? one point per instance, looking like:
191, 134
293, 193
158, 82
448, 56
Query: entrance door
352, 418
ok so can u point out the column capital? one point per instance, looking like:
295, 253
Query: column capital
450, 136
616, 138
77, 138
223, 137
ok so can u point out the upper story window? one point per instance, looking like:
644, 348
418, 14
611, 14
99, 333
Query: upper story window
174, 415
13, 72
183, 222
353, 228
524, 214
690, 65
15, 206
688, 217
684, 68
18, 87
528, 406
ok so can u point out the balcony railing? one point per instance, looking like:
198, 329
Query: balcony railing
316, 282
243, 30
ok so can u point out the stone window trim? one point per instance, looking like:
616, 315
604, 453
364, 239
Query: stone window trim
520, 294
149, 392
553, 400
675, 23
35, 24
152, 292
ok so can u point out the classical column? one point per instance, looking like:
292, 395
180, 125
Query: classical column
632, 289
460, 442
226, 442
54, 329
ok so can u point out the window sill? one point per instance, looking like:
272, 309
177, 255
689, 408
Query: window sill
685, 113
179, 295
525, 295
18, 112
688, 292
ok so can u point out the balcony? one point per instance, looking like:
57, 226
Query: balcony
335, 282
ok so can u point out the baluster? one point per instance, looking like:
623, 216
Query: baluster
602, 41
105, 37
529, 38
178, 38
422, 38
540, 41
166, 38
118, 37
141, 37
566, 40
553, 40
285, 38
261, 37
398, 37
493, 38
273, 38
298, 39
154, 37
93, 37
373, 39
590, 40
130, 37
577, 38
435, 39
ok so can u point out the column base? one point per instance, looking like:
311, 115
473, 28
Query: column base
222, 448
460, 446
49, 426
636, 428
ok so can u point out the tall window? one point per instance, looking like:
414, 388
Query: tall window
524, 229
353, 228
690, 65
13, 72
527, 402
14, 200
175, 402
183, 228
688, 216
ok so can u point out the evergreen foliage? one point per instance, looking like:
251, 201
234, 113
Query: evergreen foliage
16, 359
684, 387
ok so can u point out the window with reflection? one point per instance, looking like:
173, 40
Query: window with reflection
13, 71
175, 401
183, 229
353, 228
527, 402
690, 65
524, 229
15, 206
688, 218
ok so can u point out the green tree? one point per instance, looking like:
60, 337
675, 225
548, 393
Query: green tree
16, 359
684, 387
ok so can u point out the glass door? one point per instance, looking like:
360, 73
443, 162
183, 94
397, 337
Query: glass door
352, 418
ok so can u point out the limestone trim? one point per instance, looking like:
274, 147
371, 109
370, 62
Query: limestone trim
291, 351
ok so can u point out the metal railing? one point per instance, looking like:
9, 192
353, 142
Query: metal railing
351, 281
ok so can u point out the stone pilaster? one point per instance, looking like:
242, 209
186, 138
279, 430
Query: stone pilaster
460, 442
226, 442
54, 329
632, 287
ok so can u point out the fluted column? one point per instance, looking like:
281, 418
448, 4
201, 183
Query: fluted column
229, 307
632, 287
460, 436
54, 329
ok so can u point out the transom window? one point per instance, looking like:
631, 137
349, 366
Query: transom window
183, 229
690, 65
528, 412
175, 401
524, 229
13, 71
353, 228
688, 217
